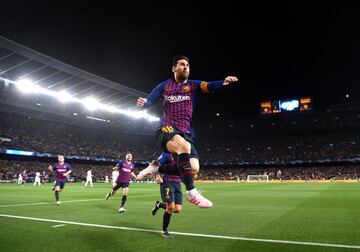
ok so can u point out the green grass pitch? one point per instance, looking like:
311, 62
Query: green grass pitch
327, 214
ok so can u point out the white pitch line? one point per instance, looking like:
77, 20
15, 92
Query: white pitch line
60, 225
71, 201
189, 234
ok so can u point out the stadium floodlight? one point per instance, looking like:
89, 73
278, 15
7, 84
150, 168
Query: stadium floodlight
153, 119
65, 97
25, 85
138, 114
37, 89
47, 92
111, 109
91, 103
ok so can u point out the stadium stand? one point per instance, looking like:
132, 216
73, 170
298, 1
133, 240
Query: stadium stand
311, 145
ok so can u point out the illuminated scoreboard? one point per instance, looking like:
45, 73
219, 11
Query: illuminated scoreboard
278, 106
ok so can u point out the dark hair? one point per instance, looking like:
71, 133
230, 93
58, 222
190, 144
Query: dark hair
179, 57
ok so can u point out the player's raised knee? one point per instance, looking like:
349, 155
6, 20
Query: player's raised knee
184, 147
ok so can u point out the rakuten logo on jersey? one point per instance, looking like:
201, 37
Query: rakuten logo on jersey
178, 98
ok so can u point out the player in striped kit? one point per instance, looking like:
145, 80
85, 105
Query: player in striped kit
62, 170
125, 169
170, 189
175, 134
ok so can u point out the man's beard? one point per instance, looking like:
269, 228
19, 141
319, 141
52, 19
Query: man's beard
183, 75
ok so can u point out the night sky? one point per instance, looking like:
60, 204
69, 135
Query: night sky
279, 51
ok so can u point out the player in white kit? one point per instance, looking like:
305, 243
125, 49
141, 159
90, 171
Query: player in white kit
37, 178
89, 179
20, 179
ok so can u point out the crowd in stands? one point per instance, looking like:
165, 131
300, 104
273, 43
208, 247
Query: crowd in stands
338, 172
9, 170
332, 143
328, 135
331, 146
29, 133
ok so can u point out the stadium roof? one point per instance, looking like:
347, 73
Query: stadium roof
18, 61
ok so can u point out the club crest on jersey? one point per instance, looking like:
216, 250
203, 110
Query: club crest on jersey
186, 88
167, 129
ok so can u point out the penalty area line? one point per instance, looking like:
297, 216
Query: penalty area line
333, 245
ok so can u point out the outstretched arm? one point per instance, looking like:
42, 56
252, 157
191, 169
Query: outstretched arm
153, 97
208, 87
148, 171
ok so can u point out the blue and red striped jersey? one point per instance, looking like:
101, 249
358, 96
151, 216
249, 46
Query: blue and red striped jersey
166, 158
179, 101
60, 170
167, 161
125, 170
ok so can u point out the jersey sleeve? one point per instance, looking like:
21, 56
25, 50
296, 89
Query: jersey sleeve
163, 158
208, 87
155, 95
68, 167
119, 164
